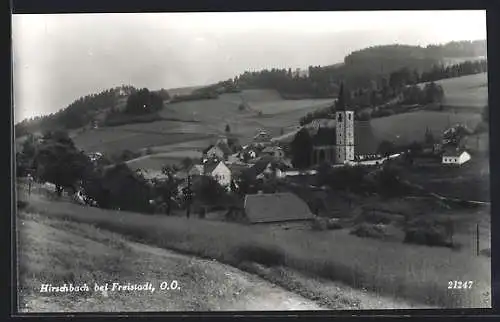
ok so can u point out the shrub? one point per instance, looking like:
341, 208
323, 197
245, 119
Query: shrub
427, 234
319, 224
265, 255
333, 223
21, 204
377, 217
369, 230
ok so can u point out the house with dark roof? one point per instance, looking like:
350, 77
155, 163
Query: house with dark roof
266, 166
274, 151
219, 151
275, 208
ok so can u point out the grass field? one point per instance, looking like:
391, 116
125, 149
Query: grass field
466, 91
277, 115
417, 273
412, 126
158, 160
212, 117
470, 181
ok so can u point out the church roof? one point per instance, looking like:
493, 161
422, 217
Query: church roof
341, 104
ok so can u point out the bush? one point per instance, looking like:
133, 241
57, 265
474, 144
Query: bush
265, 255
320, 223
377, 217
427, 234
22, 204
369, 230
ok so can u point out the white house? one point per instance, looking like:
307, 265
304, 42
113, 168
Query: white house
454, 156
217, 170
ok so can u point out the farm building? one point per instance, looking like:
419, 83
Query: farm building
275, 208
455, 156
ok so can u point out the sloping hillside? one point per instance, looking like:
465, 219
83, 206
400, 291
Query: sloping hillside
466, 91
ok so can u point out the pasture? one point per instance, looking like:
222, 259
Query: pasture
408, 127
469, 91
158, 160
402, 271
211, 117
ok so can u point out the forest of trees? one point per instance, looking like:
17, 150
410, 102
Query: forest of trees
371, 68
77, 114
359, 100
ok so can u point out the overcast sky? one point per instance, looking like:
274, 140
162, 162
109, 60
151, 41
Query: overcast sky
58, 58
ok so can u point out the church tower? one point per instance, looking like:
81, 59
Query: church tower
344, 146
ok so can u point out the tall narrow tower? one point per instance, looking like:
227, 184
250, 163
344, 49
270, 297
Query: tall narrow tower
344, 146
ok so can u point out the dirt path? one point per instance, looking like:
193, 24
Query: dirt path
203, 285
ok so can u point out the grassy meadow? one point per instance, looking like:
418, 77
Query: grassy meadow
210, 116
466, 91
402, 271
408, 127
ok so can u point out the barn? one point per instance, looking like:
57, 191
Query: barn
455, 156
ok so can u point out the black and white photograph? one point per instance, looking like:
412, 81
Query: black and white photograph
251, 161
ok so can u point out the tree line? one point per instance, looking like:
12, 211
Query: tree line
364, 101
77, 114
84, 110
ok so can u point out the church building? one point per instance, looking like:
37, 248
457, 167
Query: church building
337, 147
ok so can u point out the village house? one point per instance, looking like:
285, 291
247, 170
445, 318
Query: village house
219, 151
217, 170
455, 156
267, 167
262, 138
247, 153
274, 151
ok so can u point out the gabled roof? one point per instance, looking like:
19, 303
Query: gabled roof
269, 149
276, 207
209, 167
208, 148
237, 169
224, 147
261, 165
341, 104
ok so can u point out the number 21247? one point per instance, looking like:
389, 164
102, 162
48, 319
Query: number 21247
460, 284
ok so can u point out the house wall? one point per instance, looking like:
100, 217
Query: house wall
464, 157
222, 174
450, 160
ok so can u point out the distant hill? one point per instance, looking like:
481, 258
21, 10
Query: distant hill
360, 69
